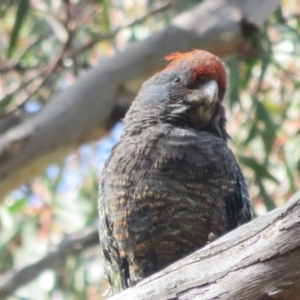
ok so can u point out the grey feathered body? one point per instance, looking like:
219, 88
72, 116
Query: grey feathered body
167, 185
164, 191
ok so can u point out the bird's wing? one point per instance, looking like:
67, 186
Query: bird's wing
238, 203
115, 266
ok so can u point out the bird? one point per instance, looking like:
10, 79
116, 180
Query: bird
171, 184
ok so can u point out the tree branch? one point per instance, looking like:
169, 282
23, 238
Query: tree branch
11, 282
83, 112
257, 261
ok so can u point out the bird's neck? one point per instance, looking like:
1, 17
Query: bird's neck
217, 124
137, 121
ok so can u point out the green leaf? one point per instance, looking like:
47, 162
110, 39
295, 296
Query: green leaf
248, 74
269, 203
298, 166
278, 14
105, 14
252, 134
260, 170
290, 168
234, 79
269, 132
17, 206
264, 67
290, 175
20, 17
6, 101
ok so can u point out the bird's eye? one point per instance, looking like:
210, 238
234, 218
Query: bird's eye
176, 80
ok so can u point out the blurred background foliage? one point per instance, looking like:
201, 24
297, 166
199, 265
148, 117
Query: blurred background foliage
45, 45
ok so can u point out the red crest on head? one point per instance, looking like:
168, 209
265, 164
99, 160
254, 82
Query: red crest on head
202, 63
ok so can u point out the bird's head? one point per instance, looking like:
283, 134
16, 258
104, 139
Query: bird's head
188, 92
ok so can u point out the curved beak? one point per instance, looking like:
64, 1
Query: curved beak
205, 95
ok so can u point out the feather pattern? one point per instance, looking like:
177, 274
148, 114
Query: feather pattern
168, 184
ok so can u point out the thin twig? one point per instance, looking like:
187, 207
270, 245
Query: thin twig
53, 260
46, 72
113, 33
85, 18
34, 43
23, 84
72, 54
17, 65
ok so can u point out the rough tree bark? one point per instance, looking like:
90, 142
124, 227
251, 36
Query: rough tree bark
258, 261
85, 111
